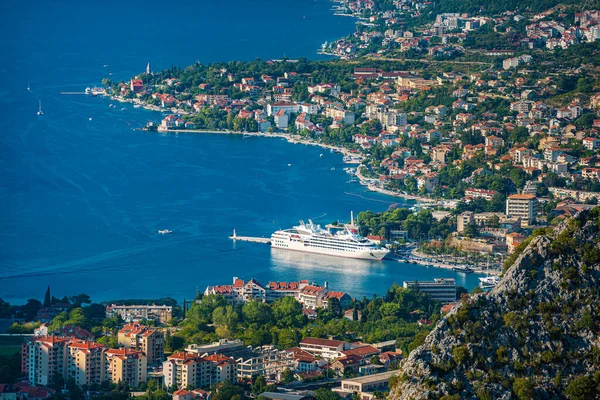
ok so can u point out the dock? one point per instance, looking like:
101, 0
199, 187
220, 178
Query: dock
262, 240
72, 93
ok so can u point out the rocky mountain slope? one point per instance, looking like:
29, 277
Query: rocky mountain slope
536, 335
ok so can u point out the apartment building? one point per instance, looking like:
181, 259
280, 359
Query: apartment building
524, 206
135, 313
86, 362
184, 369
126, 365
44, 358
150, 341
441, 289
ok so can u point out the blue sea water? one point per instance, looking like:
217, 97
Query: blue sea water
82, 194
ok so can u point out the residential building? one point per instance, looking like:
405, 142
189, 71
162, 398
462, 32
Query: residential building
135, 313
463, 220
324, 348
591, 143
86, 362
524, 206
44, 358
126, 365
281, 119
474, 193
150, 341
184, 369
441, 289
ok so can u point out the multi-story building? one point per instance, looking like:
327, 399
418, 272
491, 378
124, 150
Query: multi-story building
134, 313
441, 289
184, 369
463, 220
221, 368
150, 341
86, 362
324, 348
44, 358
126, 365
524, 206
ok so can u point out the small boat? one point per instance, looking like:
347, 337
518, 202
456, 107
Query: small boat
333, 168
88, 90
164, 231
246, 136
462, 268
137, 106
28, 87
289, 165
321, 155
90, 118
40, 112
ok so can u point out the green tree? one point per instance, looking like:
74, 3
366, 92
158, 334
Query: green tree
582, 388
288, 312
47, 298
523, 389
257, 312
326, 394
287, 376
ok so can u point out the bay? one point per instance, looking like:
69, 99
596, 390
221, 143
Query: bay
82, 194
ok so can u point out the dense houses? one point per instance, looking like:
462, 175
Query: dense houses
311, 296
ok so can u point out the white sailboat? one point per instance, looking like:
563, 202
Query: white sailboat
488, 282
40, 112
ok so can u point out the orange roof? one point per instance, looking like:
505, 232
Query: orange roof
82, 344
522, 196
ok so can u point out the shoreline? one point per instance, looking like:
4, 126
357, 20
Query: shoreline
295, 139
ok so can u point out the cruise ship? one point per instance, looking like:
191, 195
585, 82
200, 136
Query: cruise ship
311, 238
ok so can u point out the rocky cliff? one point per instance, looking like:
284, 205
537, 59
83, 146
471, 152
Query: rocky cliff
536, 335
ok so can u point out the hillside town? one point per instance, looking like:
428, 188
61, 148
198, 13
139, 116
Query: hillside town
503, 138
144, 345
490, 121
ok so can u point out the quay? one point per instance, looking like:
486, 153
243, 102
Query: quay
250, 238
71, 93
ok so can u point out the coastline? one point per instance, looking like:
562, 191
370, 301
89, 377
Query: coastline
295, 139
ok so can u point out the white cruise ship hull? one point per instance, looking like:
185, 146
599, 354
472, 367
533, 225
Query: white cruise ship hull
366, 254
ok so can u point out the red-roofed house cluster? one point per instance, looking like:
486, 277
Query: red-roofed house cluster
311, 296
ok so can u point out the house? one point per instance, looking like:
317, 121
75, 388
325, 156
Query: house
344, 299
591, 143
281, 119
346, 364
137, 85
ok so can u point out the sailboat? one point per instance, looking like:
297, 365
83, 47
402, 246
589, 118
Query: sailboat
488, 282
40, 112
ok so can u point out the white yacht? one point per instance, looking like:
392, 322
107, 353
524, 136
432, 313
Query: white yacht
164, 231
40, 112
489, 282
311, 238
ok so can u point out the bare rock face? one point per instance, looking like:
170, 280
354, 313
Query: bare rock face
536, 335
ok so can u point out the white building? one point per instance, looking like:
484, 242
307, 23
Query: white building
441, 289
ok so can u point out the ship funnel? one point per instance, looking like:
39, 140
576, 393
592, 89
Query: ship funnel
352, 218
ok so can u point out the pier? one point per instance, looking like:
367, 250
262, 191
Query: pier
72, 93
250, 238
